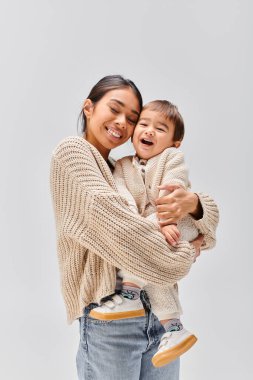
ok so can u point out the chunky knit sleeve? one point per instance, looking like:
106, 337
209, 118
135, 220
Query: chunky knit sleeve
176, 173
92, 213
207, 225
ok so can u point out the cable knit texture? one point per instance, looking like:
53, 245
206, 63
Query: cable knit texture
97, 232
138, 181
141, 190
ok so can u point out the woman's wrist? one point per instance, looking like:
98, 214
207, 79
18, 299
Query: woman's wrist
196, 209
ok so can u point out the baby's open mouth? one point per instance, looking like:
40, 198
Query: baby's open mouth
146, 142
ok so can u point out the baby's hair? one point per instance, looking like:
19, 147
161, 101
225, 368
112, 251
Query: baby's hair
169, 111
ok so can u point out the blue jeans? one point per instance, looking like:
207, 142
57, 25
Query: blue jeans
121, 349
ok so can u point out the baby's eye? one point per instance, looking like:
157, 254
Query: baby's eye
160, 129
143, 124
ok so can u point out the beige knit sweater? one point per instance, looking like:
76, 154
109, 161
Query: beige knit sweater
139, 185
97, 232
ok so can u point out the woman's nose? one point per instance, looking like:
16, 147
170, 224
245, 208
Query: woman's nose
121, 120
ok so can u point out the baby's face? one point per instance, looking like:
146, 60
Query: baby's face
153, 134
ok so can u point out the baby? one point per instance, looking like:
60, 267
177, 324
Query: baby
156, 139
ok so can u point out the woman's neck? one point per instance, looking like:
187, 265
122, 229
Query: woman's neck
102, 150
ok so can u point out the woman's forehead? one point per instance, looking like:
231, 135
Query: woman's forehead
124, 97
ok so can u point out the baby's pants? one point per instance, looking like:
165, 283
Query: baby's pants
164, 300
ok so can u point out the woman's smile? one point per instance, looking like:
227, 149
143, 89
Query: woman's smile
111, 121
114, 133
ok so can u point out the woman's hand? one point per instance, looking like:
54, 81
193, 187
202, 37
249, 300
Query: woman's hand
197, 245
177, 204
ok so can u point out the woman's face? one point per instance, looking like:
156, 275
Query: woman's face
111, 121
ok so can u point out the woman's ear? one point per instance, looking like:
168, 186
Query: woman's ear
88, 108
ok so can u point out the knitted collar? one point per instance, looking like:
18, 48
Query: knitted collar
139, 161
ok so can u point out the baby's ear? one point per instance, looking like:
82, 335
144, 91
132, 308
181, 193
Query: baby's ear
88, 107
177, 144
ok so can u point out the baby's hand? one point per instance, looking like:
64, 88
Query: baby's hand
171, 233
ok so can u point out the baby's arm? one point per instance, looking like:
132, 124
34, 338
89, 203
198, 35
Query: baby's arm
174, 173
171, 233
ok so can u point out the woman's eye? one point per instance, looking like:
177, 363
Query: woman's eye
114, 110
133, 122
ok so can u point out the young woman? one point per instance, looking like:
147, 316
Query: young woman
97, 233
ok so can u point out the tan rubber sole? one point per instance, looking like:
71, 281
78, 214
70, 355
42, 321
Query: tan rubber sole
168, 356
116, 316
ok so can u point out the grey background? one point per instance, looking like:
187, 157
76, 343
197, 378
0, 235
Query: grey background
197, 54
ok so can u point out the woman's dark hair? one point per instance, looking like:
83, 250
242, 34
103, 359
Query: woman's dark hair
106, 84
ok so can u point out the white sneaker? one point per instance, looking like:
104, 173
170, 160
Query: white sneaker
173, 344
118, 308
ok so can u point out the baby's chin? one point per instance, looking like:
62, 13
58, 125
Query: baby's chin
144, 156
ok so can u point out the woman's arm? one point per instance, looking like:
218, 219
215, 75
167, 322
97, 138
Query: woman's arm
201, 207
207, 224
177, 204
91, 213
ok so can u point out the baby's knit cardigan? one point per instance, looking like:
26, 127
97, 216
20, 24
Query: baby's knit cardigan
97, 232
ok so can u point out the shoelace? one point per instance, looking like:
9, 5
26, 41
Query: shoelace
116, 300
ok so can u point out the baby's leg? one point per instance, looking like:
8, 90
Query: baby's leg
126, 304
131, 282
166, 306
164, 301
